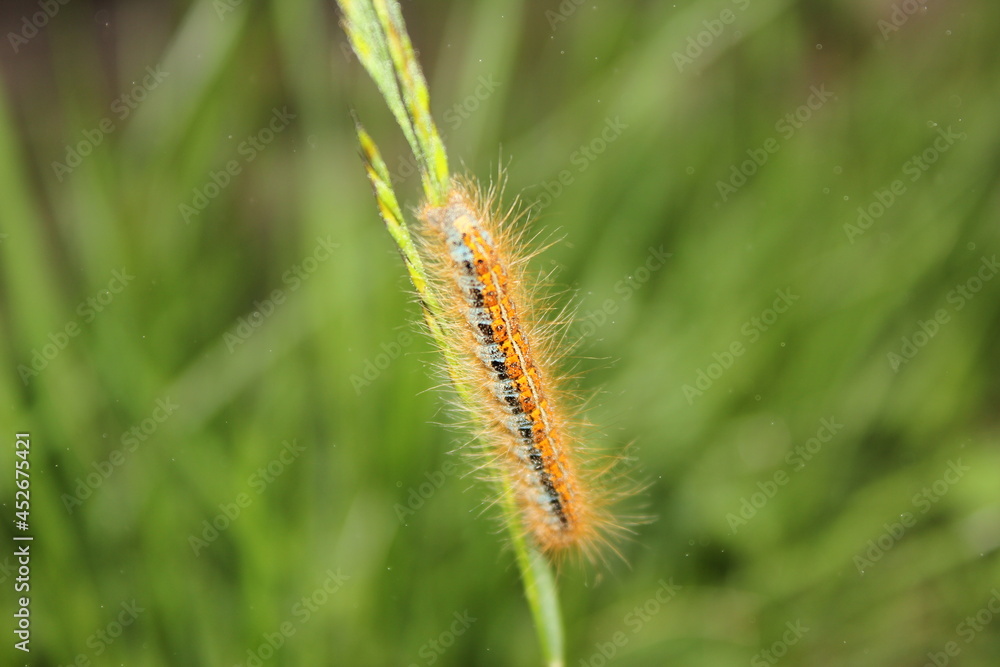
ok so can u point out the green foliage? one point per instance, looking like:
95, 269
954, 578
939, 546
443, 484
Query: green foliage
861, 538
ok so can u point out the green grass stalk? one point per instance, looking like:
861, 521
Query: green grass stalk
379, 38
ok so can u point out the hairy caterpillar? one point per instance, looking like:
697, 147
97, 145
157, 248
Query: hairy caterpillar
473, 259
469, 280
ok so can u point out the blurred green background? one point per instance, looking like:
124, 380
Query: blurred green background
204, 322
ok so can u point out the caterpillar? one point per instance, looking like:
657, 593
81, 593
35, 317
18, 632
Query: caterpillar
469, 279
472, 258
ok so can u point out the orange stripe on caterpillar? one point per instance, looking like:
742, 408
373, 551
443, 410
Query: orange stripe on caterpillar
481, 291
